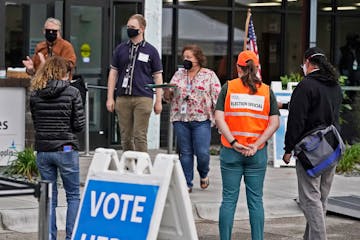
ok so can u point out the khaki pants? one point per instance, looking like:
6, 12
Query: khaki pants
133, 113
313, 196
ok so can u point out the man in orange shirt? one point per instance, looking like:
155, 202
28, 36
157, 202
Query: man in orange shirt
53, 45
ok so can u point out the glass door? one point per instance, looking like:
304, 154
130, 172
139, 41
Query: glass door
95, 27
87, 27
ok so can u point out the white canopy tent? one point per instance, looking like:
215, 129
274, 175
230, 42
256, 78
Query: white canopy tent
197, 28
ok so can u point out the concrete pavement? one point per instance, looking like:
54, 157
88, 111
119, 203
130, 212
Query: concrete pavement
19, 214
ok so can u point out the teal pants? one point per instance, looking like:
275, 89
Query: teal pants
234, 166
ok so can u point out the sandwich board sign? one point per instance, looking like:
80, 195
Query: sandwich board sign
132, 198
12, 123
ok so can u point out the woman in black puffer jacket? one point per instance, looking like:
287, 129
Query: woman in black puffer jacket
58, 114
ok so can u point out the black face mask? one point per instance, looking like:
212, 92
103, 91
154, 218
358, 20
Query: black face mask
187, 64
132, 32
50, 35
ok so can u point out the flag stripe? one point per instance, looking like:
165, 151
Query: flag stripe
251, 43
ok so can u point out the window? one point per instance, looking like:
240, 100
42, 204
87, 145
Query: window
294, 50
323, 34
167, 39
274, 4
207, 29
24, 24
215, 3
267, 28
347, 60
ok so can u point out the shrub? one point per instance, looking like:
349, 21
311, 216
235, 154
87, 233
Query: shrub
350, 159
345, 106
293, 77
24, 165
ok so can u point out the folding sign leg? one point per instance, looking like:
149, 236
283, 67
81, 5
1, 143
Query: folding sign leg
177, 219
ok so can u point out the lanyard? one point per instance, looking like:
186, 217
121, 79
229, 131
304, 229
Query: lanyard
189, 83
133, 54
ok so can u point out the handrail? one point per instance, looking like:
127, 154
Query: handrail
87, 123
42, 191
350, 88
97, 87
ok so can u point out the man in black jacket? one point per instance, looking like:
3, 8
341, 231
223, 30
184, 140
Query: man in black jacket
58, 114
315, 102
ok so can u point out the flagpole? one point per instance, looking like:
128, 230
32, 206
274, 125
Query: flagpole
247, 28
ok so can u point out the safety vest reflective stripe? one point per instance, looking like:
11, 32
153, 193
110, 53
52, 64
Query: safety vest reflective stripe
246, 114
245, 134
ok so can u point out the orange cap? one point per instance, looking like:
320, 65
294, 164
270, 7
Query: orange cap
245, 56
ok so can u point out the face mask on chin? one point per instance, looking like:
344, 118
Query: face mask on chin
131, 32
50, 35
187, 64
304, 68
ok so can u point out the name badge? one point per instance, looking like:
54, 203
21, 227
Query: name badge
125, 82
143, 57
183, 108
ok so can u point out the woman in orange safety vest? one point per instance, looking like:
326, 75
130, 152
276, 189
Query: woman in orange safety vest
247, 116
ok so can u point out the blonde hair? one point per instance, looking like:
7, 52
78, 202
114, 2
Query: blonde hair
54, 68
54, 21
140, 18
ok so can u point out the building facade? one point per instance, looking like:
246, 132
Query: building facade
284, 29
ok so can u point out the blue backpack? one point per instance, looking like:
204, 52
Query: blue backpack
319, 150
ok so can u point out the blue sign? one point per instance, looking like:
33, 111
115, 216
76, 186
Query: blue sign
280, 137
283, 97
115, 211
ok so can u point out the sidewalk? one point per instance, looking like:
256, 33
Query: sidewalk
20, 214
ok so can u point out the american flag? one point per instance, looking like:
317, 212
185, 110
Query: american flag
251, 43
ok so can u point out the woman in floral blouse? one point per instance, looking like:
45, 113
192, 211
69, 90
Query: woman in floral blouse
192, 112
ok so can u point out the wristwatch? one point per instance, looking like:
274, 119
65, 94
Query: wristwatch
233, 142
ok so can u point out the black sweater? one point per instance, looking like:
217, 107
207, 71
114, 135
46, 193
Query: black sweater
58, 114
315, 101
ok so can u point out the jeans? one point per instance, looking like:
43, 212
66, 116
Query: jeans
68, 165
133, 113
234, 165
313, 197
194, 138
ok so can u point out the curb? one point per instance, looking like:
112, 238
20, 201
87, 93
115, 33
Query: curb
26, 220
